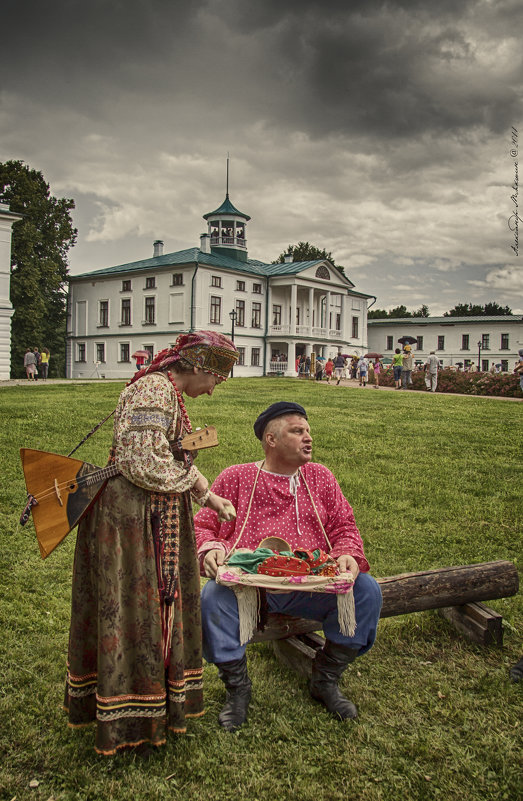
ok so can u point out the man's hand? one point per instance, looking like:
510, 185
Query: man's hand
211, 562
346, 563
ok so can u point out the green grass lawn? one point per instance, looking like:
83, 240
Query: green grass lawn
434, 480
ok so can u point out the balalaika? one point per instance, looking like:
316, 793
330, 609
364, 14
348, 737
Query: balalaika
60, 490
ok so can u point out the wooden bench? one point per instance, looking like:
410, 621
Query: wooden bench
458, 592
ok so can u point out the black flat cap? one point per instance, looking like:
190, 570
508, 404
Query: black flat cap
276, 410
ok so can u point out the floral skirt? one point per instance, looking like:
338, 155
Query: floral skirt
119, 672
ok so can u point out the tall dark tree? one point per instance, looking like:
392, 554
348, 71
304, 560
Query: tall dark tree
304, 251
423, 311
41, 241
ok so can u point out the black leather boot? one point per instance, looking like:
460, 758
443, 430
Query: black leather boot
327, 670
238, 685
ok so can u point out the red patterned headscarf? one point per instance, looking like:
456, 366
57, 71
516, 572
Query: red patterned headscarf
211, 351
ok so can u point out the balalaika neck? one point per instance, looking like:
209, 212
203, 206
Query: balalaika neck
101, 475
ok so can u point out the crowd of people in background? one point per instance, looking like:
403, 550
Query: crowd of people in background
36, 363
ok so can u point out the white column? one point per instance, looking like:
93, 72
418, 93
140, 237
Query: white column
327, 310
344, 317
311, 308
294, 296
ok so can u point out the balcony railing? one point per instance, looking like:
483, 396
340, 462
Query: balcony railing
237, 241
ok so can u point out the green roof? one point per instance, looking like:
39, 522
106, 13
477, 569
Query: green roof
218, 260
500, 318
226, 208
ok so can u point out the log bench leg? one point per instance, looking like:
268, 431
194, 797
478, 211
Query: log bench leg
298, 652
476, 622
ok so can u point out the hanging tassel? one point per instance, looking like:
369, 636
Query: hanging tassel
248, 608
346, 614
167, 613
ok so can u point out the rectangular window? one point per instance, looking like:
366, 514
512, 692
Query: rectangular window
126, 286
240, 313
441, 343
297, 315
256, 315
100, 352
484, 365
150, 304
338, 322
355, 327
419, 343
390, 343
276, 315
465, 342
216, 280
80, 353
126, 311
257, 289
150, 349
240, 286
216, 310
241, 356
504, 342
150, 282
255, 357
504, 365
104, 314
485, 342
177, 279
124, 352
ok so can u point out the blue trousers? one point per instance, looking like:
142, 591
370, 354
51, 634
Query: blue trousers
221, 626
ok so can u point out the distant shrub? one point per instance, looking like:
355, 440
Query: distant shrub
505, 385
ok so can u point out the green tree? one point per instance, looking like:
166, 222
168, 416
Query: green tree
304, 251
41, 241
400, 311
476, 310
377, 314
423, 311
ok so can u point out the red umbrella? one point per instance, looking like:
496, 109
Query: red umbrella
141, 354
373, 355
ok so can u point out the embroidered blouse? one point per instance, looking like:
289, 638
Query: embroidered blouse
144, 428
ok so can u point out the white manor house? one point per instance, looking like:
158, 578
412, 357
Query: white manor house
275, 312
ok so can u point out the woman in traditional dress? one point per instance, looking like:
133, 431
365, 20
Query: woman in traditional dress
135, 663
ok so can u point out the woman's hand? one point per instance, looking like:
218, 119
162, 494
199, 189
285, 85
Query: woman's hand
223, 507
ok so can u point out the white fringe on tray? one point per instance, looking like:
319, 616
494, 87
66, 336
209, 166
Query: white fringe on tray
249, 606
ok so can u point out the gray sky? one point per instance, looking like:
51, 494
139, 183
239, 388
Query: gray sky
380, 131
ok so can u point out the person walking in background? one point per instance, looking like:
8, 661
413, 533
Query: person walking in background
329, 368
319, 370
406, 372
377, 371
397, 367
518, 369
431, 372
363, 368
30, 364
38, 359
339, 364
44, 362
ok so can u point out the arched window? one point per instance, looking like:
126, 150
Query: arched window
322, 272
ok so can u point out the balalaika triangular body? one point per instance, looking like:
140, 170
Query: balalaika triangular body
61, 490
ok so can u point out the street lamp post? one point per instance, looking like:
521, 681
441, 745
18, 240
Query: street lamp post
479, 356
232, 315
